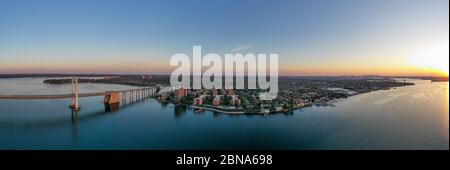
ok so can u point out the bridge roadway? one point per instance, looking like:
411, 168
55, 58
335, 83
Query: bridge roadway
63, 96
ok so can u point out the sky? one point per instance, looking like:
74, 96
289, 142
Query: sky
312, 37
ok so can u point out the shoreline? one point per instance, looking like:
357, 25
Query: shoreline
220, 111
324, 104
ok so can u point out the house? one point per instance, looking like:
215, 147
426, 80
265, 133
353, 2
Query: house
198, 100
234, 100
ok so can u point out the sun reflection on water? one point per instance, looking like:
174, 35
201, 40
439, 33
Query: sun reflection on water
445, 118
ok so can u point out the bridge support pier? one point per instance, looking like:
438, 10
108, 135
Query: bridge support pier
112, 107
112, 98
74, 105
112, 101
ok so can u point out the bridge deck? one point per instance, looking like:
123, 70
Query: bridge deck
63, 96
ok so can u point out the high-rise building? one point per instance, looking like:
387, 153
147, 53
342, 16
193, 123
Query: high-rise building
214, 91
180, 93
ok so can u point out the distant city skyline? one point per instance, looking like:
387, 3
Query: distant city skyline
320, 37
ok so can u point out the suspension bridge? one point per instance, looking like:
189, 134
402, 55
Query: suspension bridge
110, 97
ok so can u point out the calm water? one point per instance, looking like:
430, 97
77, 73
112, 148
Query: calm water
414, 117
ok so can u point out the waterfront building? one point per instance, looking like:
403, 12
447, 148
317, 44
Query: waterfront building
180, 93
278, 108
163, 97
224, 92
234, 100
216, 101
198, 101
298, 102
204, 92
230, 92
195, 93
264, 111
214, 91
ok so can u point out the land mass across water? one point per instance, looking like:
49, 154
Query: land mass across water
131, 80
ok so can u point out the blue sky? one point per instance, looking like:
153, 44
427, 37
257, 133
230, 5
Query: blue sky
91, 35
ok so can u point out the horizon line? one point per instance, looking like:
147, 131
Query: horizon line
166, 74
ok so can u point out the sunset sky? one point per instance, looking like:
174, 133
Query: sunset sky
314, 37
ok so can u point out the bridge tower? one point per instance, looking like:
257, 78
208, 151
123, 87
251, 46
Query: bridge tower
74, 104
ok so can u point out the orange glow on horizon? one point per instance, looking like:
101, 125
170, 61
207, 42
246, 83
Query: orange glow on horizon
162, 68
355, 71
